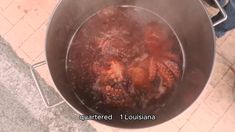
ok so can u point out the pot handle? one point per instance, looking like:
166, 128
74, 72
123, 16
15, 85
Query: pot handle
32, 70
224, 18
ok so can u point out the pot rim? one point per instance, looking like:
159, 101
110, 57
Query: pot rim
70, 105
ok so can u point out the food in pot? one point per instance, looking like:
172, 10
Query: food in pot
124, 58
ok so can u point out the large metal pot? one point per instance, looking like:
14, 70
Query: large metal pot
188, 19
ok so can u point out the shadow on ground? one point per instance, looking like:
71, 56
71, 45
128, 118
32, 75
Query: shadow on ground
21, 107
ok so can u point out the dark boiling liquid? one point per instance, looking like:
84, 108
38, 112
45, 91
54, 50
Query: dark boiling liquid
124, 60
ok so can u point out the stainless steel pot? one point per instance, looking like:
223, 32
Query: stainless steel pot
188, 19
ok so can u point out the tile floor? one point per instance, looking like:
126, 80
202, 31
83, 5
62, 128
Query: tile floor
23, 24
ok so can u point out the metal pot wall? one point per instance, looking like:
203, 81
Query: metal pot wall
188, 19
